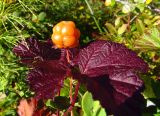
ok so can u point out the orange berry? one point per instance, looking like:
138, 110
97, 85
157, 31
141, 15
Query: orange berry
59, 46
65, 35
67, 30
57, 39
70, 23
69, 41
75, 45
58, 28
77, 33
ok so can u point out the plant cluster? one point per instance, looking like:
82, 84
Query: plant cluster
109, 71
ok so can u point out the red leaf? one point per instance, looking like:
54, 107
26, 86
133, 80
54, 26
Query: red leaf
46, 82
32, 51
101, 57
114, 81
49, 66
116, 90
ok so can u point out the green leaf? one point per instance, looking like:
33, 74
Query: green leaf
147, 21
87, 104
154, 37
111, 28
117, 21
91, 107
34, 18
8, 101
140, 26
98, 110
152, 88
42, 16
148, 1
126, 8
139, 1
109, 2
60, 102
141, 6
155, 34
122, 29
2, 96
9, 112
65, 90
3, 83
156, 18
149, 41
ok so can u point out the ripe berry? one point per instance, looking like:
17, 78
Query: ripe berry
65, 35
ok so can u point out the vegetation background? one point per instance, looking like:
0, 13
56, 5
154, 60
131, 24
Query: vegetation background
135, 23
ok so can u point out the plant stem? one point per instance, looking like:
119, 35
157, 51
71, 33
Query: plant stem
129, 19
71, 87
74, 100
57, 114
76, 93
92, 13
68, 56
71, 81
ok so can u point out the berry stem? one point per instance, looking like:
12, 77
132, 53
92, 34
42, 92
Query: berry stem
74, 100
68, 56
71, 80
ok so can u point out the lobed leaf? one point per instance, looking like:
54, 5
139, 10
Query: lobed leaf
103, 57
49, 66
32, 51
110, 72
46, 82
